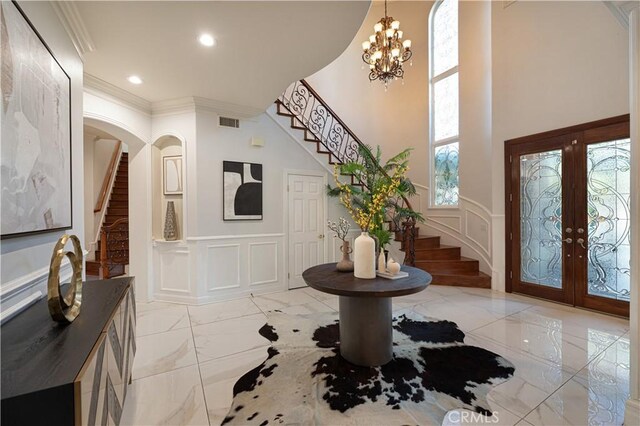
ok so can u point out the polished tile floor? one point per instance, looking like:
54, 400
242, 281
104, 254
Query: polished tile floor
572, 366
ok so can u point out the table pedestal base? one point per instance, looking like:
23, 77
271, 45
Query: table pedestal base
366, 335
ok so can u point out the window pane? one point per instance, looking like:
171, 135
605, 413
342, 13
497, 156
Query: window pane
445, 100
445, 36
608, 236
446, 174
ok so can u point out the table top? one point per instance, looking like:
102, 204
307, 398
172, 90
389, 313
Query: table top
328, 279
38, 353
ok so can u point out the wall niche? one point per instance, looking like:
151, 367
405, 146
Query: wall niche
168, 184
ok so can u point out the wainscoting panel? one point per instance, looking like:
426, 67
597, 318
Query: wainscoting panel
263, 263
174, 272
208, 269
223, 266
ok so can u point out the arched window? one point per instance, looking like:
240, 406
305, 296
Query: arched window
444, 107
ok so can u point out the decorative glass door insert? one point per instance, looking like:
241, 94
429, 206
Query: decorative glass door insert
541, 218
608, 196
568, 219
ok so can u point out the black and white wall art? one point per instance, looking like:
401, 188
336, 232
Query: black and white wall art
242, 190
36, 131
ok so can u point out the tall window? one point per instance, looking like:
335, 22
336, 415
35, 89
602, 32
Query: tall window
444, 118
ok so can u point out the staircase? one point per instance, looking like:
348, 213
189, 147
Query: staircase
311, 115
117, 215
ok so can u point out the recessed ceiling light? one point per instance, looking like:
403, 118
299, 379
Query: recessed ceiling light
206, 40
134, 79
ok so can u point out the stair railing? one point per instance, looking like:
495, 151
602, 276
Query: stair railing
100, 210
114, 246
315, 116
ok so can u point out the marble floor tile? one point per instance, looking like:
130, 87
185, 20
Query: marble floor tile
163, 319
173, 398
270, 302
223, 338
320, 295
489, 301
468, 317
533, 381
150, 306
445, 290
162, 352
565, 350
204, 314
595, 396
577, 322
219, 376
306, 309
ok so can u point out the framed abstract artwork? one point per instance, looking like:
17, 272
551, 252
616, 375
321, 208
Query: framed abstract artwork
35, 159
242, 198
172, 174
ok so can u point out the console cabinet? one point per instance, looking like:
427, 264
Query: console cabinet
78, 374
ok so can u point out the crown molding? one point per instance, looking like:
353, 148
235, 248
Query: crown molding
99, 87
621, 10
71, 20
196, 103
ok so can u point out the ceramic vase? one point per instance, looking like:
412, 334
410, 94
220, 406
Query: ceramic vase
346, 264
364, 265
170, 223
382, 262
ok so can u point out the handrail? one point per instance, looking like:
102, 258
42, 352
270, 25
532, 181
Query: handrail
330, 113
107, 178
306, 106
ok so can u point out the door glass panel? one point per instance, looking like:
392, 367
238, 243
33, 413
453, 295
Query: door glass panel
608, 192
541, 218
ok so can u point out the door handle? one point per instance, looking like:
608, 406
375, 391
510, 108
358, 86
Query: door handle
321, 236
581, 242
568, 240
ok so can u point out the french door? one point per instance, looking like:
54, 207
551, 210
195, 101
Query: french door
567, 215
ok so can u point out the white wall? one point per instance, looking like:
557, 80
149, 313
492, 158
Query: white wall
25, 261
395, 119
555, 64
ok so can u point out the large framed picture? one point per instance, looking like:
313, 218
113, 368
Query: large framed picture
242, 191
172, 174
35, 159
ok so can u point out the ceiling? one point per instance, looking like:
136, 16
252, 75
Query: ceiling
261, 47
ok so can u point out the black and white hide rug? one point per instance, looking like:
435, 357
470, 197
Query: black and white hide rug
305, 381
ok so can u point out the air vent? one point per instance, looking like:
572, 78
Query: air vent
229, 122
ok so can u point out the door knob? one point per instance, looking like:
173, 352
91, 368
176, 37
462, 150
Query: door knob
568, 240
581, 242
568, 230
321, 236
580, 231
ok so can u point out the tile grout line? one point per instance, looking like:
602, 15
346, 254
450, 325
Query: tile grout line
572, 376
195, 350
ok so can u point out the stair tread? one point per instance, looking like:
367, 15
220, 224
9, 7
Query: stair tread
462, 259
453, 274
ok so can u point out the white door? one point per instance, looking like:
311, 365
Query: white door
306, 225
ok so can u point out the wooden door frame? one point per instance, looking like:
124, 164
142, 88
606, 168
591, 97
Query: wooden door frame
572, 131
285, 217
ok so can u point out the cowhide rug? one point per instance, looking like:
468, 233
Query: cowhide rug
305, 381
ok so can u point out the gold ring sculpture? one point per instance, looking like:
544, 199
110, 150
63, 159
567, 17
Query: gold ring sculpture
65, 309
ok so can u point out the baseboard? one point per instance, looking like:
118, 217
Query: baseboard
632, 412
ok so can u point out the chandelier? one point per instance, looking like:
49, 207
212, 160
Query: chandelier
385, 52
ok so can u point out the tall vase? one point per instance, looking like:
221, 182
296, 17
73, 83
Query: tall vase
346, 264
170, 223
364, 257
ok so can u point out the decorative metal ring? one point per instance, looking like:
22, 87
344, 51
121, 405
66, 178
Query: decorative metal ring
64, 309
